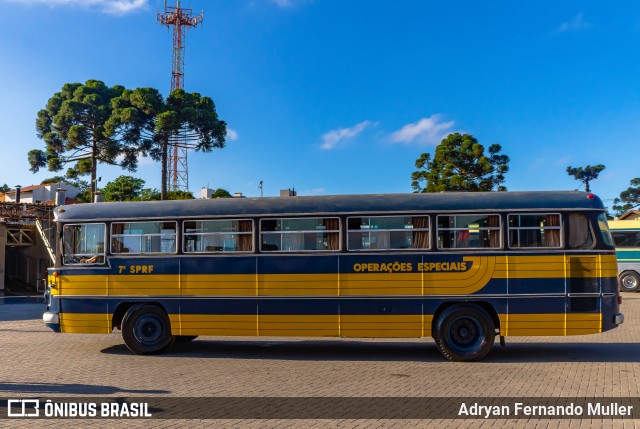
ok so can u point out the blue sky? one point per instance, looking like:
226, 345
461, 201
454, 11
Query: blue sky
335, 96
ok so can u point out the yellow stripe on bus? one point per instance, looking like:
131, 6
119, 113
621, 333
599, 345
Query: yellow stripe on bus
85, 323
218, 285
214, 324
389, 326
482, 270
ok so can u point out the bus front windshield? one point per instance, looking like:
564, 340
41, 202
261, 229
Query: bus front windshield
83, 244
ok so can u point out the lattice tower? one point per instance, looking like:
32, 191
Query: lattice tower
181, 19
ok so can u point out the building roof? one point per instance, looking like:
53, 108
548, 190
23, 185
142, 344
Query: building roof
33, 187
67, 201
334, 205
629, 214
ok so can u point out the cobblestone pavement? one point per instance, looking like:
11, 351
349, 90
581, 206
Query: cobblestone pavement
35, 362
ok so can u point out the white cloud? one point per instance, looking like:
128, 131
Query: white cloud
232, 134
574, 24
427, 131
339, 136
113, 7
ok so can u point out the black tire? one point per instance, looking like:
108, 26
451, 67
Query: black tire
464, 332
181, 339
146, 329
629, 281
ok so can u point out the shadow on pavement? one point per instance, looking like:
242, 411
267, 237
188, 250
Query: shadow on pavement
21, 309
298, 350
87, 389
566, 352
314, 350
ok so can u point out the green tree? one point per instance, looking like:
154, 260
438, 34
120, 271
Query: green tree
85, 192
221, 193
123, 188
460, 164
149, 194
586, 174
72, 126
144, 120
152, 194
629, 199
179, 195
5, 188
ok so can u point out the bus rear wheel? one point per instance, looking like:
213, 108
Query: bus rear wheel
146, 329
629, 281
464, 332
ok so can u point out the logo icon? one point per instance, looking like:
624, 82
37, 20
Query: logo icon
26, 407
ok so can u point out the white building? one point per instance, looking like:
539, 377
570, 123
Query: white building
41, 193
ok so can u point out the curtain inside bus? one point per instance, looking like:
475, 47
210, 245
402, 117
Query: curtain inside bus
333, 238
420, 239
245, 243
552, 236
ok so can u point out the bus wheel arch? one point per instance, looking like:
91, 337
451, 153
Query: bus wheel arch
465, 331
120, 311
629, 281
146, 328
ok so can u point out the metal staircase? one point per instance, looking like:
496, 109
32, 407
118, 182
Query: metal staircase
47, 230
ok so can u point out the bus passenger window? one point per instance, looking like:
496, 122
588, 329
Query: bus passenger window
537, 230
143, 237
388, 233
626, 238
469, 231
299, 234
214, 236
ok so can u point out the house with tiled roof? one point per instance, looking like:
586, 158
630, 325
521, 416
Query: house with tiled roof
41, 193
630, 215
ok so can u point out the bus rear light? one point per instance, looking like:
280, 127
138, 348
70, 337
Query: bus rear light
591, 196
619, 299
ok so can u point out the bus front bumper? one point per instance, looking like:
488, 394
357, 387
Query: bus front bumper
618, 319
51, 321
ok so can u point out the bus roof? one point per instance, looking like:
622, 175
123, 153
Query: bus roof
332, 204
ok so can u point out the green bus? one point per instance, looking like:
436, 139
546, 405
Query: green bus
626, 235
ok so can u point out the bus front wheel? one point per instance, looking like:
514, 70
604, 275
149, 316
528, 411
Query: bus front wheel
629, 281
146, 329
464, 332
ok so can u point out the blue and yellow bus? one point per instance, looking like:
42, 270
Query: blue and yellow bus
462, 268
626, 235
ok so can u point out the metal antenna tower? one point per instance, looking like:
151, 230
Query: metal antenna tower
182, 19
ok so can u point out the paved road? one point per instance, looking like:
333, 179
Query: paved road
37, 362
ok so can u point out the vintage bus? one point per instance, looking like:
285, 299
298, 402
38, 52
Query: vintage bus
460, 267
626, 236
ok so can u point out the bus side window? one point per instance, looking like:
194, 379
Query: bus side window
312, 234
580, 235
626, 238
534, 230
